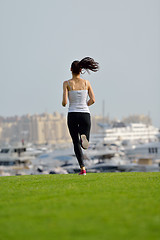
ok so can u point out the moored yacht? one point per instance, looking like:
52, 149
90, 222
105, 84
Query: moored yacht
120, 132
15, 155
146, 151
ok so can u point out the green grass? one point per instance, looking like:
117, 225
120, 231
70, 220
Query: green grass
96, 206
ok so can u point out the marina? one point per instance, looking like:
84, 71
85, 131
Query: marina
135, 147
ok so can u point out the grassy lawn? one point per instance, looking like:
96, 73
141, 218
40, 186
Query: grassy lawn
96, 206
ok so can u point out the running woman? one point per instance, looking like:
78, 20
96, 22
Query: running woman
78, 120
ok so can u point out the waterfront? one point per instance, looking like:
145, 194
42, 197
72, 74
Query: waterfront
63, 161
116, 148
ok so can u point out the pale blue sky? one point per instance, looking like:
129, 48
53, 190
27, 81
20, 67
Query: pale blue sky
40, 38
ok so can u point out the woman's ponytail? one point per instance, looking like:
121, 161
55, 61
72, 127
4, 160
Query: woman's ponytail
86, 63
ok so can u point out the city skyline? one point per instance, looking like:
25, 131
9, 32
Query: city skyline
40, 39
52, 128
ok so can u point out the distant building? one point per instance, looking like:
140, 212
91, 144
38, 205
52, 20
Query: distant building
38, 129
45, 128
137, 119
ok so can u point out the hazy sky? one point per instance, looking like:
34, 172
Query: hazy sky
40, 38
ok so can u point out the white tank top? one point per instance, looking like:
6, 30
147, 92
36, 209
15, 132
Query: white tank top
78, 100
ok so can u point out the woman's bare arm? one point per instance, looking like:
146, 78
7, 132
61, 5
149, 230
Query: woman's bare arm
91, 95
65, 94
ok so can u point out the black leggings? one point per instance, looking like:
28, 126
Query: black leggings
79, 123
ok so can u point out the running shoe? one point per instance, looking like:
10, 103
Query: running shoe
83, 172
84, 142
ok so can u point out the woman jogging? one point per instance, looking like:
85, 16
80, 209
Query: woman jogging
78, 90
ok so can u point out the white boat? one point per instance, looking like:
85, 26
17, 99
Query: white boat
15, 155
146, 151
119, 132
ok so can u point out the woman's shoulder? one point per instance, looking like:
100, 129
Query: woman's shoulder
66, 82
87, 83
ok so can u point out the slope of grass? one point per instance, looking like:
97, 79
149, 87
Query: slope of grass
96, 206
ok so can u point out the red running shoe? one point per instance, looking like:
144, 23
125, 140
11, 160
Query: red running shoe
83, 172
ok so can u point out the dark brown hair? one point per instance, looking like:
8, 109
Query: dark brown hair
86, 63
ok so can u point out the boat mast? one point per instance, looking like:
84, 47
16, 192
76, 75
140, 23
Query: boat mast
103, 111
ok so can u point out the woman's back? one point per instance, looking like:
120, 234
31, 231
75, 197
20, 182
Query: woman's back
78, 95
77, 84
